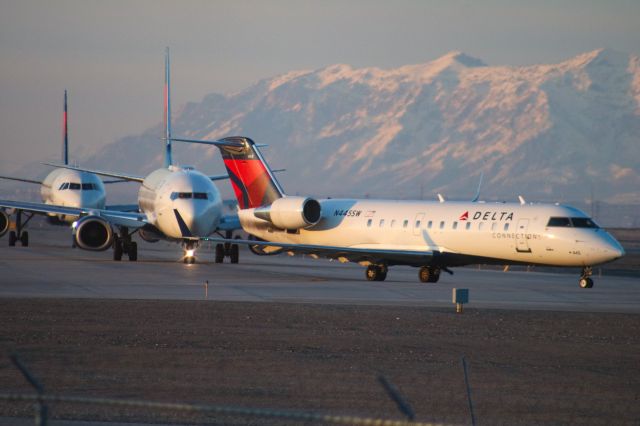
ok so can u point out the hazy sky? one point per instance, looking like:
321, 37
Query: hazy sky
109, 54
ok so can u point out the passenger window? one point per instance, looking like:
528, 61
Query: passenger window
506, 226
442, 225
393, 222
494, 226
480, 226
417, 224
369, 222
455, 225
559, 221
381, 223
405, 223
468, 226
430, 224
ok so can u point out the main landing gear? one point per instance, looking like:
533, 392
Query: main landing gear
376, 272
122, 244
429, 274
585, 278
227, 249
19, 234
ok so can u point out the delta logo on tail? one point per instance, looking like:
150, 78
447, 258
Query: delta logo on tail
464, 216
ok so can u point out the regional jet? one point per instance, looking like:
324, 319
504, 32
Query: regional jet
433, 236
177, 203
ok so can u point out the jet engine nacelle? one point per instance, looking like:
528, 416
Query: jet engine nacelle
93, 233
4, 222
291, 212
149, 235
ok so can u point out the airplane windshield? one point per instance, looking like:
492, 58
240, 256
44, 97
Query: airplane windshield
88, 187
73, 185
575, 222
189, 195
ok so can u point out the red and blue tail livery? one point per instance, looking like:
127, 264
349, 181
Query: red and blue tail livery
252, 181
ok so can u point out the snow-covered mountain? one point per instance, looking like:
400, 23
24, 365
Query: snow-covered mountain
550, 132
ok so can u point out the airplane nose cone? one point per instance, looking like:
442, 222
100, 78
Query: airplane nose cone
612, 249
191, 219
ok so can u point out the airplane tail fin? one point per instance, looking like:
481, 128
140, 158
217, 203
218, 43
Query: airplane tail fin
253, 181
65, 133
168, 160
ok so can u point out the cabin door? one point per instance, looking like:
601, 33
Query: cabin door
522, 243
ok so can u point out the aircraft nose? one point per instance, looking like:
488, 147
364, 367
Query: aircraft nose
190, 219
612, 249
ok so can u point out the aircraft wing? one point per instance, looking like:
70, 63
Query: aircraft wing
116, 175
333, 252
120, 218
21, 179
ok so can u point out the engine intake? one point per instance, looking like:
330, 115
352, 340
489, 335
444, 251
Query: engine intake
291, 212
4, 222
93, 233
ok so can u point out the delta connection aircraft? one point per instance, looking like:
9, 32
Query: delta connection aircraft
176, 203
61, 187
432, 236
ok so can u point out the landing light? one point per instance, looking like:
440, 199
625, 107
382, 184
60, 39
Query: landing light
190, 253
74, 225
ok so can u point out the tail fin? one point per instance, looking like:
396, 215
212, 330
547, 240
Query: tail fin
251, 178
65, 133
168, 160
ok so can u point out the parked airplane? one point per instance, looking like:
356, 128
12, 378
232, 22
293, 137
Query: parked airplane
433, 236
177, 204
61, 187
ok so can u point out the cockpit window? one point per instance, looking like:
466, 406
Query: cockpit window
583, 222
576, 222
189, 195
63, 186
88, 186
559, 221
73, 185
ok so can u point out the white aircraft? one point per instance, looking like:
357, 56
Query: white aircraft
433, 236
176, 203
62, 187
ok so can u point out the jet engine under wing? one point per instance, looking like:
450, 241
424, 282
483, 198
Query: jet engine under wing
348, 253
122, 176
120, 218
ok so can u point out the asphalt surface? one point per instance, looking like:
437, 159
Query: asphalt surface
50, 268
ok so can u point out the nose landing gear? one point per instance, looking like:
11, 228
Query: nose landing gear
189, 253
227, 249
585, 278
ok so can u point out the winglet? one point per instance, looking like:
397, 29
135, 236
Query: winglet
477, 196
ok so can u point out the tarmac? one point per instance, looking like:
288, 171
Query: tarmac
50, 268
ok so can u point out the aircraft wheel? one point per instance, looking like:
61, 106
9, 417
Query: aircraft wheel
133, 251
586, 282
24, 239
12, 238
117, 249
219, 257
235, 253
376, 273
428, 274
